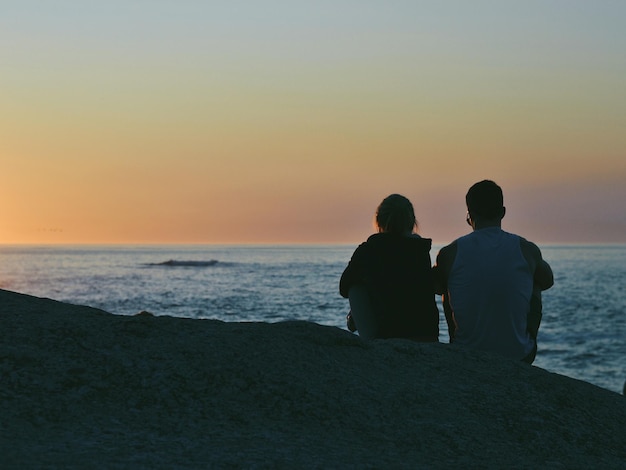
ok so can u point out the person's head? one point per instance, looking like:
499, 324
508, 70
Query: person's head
395, 215
485, 202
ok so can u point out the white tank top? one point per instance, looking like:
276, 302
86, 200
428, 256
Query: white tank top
489, 288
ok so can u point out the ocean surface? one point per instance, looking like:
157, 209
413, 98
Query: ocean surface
582, 335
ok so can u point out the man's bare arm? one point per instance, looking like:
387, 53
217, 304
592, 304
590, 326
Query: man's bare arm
443, 265
441, 271
542, 272
544, 277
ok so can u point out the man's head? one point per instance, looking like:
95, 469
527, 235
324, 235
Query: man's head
485, 201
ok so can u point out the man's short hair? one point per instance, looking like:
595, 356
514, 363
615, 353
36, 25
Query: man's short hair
484, 199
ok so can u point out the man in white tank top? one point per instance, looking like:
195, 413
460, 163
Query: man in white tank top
491, 281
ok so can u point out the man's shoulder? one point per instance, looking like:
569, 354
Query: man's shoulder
543, 276
449, 247
447, 253
526, 245
529, 248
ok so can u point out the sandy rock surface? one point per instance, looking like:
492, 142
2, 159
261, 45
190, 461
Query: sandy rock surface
82, 388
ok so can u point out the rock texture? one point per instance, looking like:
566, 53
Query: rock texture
82, 388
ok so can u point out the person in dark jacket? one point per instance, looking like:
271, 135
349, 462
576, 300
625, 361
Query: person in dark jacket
388, 280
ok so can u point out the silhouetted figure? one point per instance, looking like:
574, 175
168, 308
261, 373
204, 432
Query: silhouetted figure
491, 281
389, 279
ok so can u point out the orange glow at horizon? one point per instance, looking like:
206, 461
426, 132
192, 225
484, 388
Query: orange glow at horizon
247, 128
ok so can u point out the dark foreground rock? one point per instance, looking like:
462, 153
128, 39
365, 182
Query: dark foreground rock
81, 388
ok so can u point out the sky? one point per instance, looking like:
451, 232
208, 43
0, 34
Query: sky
188, 121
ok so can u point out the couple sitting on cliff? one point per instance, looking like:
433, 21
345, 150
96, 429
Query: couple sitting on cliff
490, 280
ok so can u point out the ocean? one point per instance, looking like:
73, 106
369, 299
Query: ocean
582, 334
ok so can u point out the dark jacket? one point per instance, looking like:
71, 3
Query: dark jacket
396, 270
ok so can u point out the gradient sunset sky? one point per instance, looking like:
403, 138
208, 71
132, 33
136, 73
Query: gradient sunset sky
159, 121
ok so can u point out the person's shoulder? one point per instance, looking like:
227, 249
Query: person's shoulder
374, 237
422, 242
448, 252
543, 276
450, 246
443, 265
529, 247
364, 245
